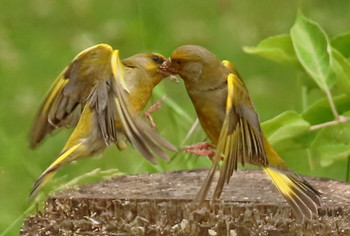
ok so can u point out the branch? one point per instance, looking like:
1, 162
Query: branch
337, 118
340, 120
331, 103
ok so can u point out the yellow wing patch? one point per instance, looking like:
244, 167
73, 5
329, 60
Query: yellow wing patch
59, 108
118, 69
230, 94
56, 88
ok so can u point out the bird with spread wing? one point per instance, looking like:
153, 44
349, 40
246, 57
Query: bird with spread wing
100, 96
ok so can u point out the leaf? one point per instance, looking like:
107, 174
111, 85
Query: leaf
277, 48
332, 144
342, 44
341, 67
284, 126
312, 48
320, 111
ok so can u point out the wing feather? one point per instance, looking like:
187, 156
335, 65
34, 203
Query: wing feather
70, 91
141, 135
243, 142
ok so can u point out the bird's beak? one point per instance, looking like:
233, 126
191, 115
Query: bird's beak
167, 69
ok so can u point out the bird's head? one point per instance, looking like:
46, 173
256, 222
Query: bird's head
151, 63
190, 62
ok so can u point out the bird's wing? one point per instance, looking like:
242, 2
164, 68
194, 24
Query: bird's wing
148, 142
241, 139
86, 77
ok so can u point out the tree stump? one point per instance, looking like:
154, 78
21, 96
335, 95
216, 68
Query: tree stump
161, 204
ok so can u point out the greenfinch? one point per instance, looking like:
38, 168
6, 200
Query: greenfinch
101, 97
227, 115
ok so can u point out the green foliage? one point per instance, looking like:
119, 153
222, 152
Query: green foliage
341, 67
285, 126
332, 144
320, 111
39, 38
278, 48
311, 47
325, 119
341, 43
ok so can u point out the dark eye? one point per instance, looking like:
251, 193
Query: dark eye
177, 62
157, 59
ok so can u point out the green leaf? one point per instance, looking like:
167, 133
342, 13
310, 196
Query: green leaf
320, 111
341, 67
332, 144
284, 126
342, 44
277, 48
312, 48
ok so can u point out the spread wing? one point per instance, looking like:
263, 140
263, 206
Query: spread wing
240, 139
139, 133
95, 79
87, 77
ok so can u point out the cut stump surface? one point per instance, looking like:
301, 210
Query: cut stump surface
161, 204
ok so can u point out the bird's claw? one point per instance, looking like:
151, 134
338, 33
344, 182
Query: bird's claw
156, 106
201, 149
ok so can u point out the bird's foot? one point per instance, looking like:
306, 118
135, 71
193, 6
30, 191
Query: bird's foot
201, 149
156, 106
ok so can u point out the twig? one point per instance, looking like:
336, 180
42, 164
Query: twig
340, 120
337, 118
331, 103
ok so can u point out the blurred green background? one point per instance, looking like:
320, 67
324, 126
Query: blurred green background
39, 38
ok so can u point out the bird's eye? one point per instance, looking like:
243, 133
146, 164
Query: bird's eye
157, 59
177, 63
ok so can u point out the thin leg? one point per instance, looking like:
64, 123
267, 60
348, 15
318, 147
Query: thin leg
156, 106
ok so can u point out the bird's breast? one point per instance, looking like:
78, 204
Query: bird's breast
139, 97
210, 109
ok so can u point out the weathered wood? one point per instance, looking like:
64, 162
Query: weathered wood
161, 204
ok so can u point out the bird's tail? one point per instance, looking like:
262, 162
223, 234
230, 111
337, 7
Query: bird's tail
64, 157
303, 198
201, 195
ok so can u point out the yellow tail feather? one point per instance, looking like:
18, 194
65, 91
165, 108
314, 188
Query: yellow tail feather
62, 158
47, 175
303, 198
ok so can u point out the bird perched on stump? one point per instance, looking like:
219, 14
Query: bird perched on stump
101, 97
227, 115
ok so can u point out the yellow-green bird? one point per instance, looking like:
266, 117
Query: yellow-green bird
227, 115
101, 97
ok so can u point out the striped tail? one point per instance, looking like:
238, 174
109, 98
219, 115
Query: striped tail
47, 175
303, 198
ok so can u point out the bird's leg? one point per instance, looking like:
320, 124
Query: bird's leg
201, 149
156, 106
